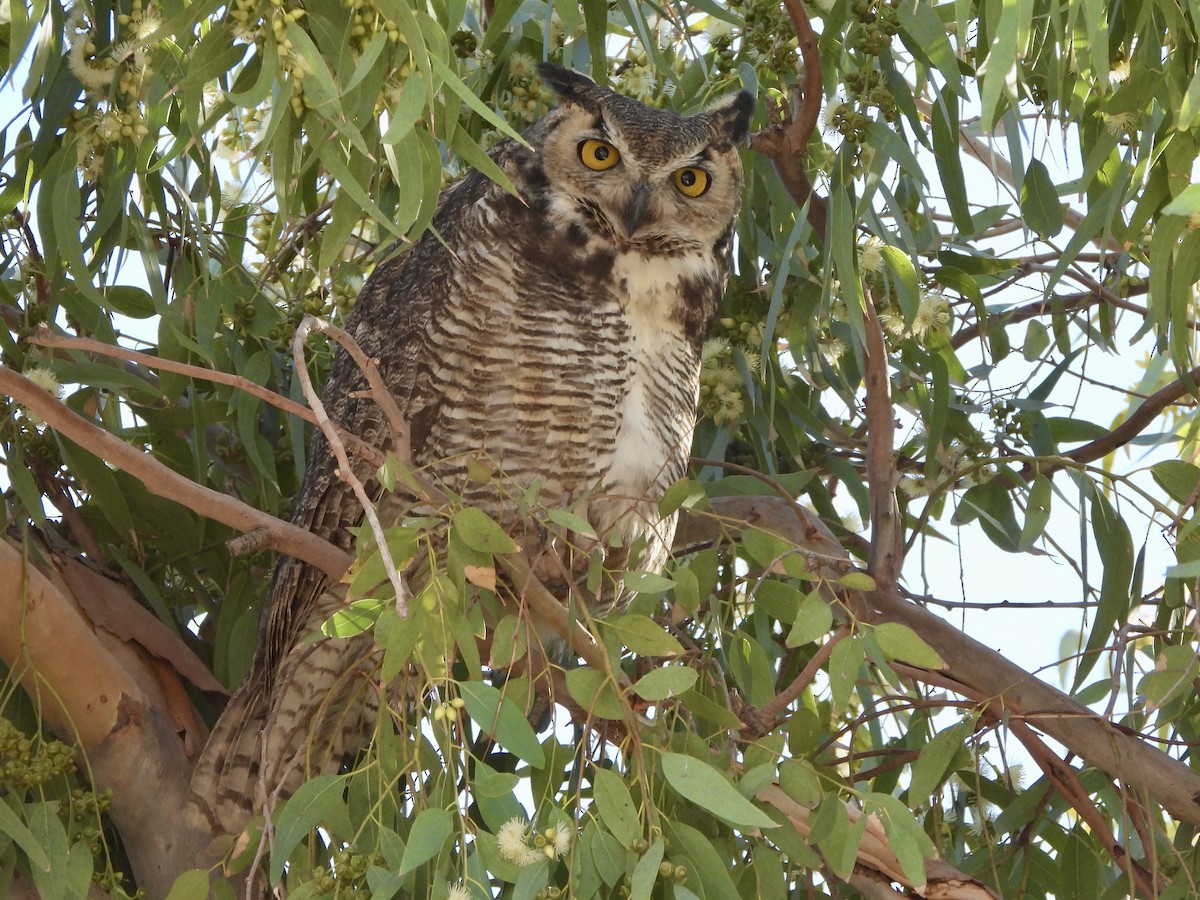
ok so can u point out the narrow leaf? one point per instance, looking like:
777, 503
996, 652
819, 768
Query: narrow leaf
669, 681
500, 716
430, 832
697, 781
616, 806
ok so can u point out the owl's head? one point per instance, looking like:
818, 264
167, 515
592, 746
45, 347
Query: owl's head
641, 176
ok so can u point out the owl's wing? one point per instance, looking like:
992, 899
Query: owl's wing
390, 321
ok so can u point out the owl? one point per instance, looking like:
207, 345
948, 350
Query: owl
550, 338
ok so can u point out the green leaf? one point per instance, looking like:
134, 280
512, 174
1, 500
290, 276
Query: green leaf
683, 493
909, 842
383, 883
479, 532
647, 582
1187, 202
354, 618
509, 642
316, 801
813, 620
1116, 554
1180, 479
500, 716
616, 806
714, 714
899, 642
102, 484
844, 664
934, 760
949, 158
573, 523
135, 302
1037, 512
429, 834
191, 885
1040, 205
834, 836
645, 873
698, 782
593, 690
857, 581
749, 486
12, 826
904, 278
1175, 670
1037, 340
532, 882
642, 635
763, 548
669, 681
800, 781
608, 855
398, 637
708, 869
1074, 431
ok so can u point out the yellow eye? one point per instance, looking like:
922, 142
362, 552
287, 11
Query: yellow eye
599, 155
692, 182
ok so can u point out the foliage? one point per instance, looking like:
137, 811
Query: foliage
194, 178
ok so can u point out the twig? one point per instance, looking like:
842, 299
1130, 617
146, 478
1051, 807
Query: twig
401, 435
46, 338
887, 541
1127, 430
875, 853
169, 484
1069, 785
765, 718
786, 144
545, 605
344, 470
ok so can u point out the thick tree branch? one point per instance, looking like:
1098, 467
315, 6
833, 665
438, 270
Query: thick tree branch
165, 482
91, 696
1007, 691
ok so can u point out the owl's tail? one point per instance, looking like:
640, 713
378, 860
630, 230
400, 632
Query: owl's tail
226, 773
320, 709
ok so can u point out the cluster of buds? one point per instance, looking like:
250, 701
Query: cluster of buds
113, 77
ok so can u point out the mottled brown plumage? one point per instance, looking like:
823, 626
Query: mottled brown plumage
553, 337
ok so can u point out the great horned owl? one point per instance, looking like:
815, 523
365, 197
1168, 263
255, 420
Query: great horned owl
553, 336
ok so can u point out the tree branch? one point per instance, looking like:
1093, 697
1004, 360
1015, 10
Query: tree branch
46, 338
90, 696
887, 541
876, 855
345, 471
786, 143
169, 484
1137, 420
1007, 691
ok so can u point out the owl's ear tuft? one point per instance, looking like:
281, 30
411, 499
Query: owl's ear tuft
569, 85
730, 116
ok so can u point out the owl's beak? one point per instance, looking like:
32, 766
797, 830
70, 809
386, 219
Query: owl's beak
636, 211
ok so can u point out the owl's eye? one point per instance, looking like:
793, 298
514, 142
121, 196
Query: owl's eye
599, 155
692, 182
